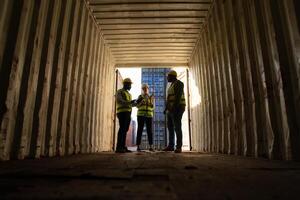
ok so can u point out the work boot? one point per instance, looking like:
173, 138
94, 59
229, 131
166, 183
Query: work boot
168, 148
151, 149
127, 150
178, 150
120, 151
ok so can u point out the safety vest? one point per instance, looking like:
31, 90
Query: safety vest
171, 96
121, 107
145, 108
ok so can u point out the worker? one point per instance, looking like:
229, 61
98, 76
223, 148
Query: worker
175, 107
145, 105
124, 108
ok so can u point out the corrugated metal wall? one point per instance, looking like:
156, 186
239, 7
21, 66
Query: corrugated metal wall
57, 79
246, 67
54, 66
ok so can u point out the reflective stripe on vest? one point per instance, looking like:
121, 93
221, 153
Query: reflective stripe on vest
121, 107
145, 109
171, 96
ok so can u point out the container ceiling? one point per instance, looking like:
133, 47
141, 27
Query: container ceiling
150, 32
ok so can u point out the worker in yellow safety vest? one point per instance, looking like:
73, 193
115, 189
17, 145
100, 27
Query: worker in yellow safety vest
175, 107
124, 108
145, 105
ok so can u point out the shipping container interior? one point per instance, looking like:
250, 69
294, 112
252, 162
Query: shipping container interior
59, 58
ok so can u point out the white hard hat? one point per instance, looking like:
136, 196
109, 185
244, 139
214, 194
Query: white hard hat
145, 85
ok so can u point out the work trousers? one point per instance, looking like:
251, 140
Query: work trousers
124, 123
141, 122
174, 125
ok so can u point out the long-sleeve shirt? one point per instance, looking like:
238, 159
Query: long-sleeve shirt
178, 89
121, 99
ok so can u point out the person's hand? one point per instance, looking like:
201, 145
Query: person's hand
152, 97
139, 100
133, 101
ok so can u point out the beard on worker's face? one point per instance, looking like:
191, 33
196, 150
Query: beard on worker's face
127, 87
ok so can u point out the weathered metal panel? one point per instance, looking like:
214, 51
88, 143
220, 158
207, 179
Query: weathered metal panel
290, 70
58, 76
87, 89
239, 141
250, 139
8, 120
33, 80
225, 120
6, 10
79, 76
73, 133
264, 128
277, 105
67, 137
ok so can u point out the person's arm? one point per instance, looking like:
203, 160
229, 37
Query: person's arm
166, 108
121, 99
152, 101
178, 90
138, 101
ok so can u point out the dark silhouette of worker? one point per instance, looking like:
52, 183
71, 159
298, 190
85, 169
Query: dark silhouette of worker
124, 108
175, 108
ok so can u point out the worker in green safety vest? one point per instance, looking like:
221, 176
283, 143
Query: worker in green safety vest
145, 105
175, 107
124, 108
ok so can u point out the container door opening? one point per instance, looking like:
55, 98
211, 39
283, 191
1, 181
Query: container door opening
156, 79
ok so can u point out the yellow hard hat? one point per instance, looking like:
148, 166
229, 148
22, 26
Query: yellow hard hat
127, 80
145, 85
172, 73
